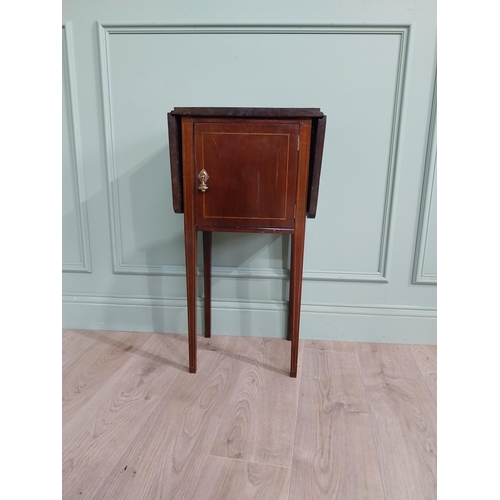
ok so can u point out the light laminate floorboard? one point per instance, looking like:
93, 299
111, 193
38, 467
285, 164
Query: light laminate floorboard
334, 454
96, 438
167, 456
73, 343
258, 424
358, 422
81, 379
328, 345
223, 478
403, 415
426, 357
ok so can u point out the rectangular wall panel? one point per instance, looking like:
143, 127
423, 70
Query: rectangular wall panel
360, 98
425, 268
75, 242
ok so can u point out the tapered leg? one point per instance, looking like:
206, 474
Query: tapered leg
296, 266
190, 247
290, 294
207, 279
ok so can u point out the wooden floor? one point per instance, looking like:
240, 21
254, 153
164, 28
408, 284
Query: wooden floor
358, 423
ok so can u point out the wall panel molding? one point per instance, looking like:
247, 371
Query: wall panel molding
217, 271
108, 29
428, 193
84, 265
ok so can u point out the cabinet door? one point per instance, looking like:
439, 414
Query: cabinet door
252, 173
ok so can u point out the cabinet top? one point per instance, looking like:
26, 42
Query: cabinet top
250, 112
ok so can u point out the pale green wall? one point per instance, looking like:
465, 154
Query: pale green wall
370, 257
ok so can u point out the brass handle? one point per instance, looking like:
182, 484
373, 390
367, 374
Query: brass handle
203, 176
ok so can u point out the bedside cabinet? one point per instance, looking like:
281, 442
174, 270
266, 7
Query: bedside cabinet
246, 170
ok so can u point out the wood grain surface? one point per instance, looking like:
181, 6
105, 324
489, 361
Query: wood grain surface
109, 351
426, 357
334, 454
223, 478
73, 343
359, 422
99, 434
328, 345
259, 422
403, 418
167, 463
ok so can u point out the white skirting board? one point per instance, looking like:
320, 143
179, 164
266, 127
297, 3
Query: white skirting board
386, 324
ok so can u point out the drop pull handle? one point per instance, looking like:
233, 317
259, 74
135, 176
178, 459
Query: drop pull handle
203, 176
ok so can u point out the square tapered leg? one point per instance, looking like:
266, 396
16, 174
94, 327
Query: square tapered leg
296, 266
207, 275
190, 248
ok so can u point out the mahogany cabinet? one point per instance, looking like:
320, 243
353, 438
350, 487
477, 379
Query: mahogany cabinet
245, 169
